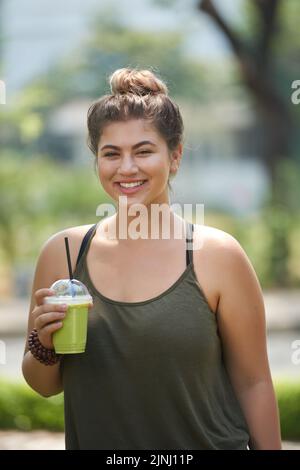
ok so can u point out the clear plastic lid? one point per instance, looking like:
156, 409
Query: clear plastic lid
70, 291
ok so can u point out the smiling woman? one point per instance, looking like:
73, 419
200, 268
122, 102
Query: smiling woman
140, 163
176, 351
136, 95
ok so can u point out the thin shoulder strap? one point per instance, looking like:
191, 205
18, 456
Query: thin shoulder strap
189, 239
85, 241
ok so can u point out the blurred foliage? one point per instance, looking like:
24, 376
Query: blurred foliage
112, 45
288, 396
264, 238
23, 409
41, 197
24, 124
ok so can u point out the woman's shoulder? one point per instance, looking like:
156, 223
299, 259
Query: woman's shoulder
54, 248
222, 250
220, 262
218, 249
74, 234
214, 237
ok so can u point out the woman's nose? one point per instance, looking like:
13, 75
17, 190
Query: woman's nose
128, 165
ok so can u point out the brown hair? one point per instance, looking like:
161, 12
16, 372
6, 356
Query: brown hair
135, 94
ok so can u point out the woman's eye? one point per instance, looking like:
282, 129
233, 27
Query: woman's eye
111, 154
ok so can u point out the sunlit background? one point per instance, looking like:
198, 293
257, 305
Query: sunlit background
229, 64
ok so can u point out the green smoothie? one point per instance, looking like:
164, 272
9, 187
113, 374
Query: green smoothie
72, 336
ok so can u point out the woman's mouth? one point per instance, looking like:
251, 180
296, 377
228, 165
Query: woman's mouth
130, 188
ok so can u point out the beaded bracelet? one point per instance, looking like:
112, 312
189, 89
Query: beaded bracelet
48, 357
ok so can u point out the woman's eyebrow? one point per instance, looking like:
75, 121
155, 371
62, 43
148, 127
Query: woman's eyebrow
115, 147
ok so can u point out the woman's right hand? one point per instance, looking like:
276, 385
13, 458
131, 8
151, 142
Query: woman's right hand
47, 317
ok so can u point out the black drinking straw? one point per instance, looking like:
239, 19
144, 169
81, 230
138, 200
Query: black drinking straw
68, 258
69, 263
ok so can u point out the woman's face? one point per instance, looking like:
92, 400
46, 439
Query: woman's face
134, 152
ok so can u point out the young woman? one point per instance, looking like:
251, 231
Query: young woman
176, 355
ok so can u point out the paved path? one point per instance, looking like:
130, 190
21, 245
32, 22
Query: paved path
35, 440
43, 440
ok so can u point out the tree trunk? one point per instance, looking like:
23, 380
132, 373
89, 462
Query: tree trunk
255, 67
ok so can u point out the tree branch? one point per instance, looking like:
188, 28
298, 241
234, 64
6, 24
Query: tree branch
208, 7
257, 82
245, 59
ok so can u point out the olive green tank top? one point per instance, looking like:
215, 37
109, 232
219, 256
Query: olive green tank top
152, 376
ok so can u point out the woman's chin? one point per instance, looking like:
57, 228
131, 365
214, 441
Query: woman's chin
130, 200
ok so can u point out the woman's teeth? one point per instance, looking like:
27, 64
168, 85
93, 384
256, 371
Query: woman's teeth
131, 185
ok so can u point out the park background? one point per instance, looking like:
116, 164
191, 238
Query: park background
230, 65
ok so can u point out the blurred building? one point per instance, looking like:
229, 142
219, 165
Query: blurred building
220, 162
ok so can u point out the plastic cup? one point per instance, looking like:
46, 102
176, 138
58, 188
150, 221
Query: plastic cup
71, 337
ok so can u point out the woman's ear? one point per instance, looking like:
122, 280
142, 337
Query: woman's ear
175, 159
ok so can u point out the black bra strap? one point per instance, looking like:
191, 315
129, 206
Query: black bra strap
189, 239
85, 241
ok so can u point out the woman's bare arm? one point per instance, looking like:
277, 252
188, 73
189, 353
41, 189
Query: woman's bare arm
242, 327
46, 380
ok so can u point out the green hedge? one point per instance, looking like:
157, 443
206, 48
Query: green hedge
23, 409
288, 396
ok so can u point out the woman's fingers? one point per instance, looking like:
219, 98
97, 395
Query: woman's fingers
49, 317
40, 294
45, 333
46, 308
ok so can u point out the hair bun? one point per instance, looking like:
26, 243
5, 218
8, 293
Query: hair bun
138, 82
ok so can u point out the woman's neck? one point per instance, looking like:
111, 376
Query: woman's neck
146, 225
